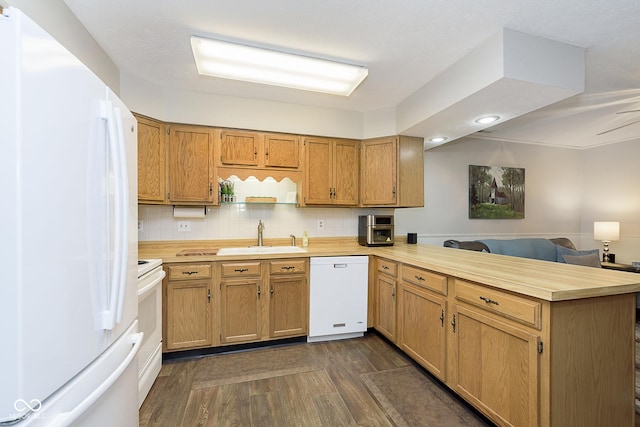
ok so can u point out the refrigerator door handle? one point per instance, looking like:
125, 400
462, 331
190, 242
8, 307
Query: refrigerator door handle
118, 275
66, 418
123, 182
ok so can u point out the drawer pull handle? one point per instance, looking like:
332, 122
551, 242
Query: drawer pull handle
287, 267
453, 323
189, 272
384, 267
419, 278
241, 270
489, 300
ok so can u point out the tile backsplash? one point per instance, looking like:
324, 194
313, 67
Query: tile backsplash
240, 221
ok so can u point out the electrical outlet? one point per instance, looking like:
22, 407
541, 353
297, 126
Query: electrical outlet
140, 225
320, 224
184, 226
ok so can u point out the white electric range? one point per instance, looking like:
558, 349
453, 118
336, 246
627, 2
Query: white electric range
150, 275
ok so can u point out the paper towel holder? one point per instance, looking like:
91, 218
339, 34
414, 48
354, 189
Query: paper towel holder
189, 211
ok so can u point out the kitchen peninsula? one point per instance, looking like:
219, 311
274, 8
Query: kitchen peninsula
526, 342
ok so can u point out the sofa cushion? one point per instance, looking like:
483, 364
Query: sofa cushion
534, 248
561, 251
589, 260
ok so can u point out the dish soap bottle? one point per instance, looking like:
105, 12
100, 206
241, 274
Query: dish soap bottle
305, 239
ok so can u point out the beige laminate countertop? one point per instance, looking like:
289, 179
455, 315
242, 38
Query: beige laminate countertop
540, 279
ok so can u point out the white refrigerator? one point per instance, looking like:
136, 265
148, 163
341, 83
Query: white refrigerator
68, 238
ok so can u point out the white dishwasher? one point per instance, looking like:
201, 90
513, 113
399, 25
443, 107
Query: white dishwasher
338, 297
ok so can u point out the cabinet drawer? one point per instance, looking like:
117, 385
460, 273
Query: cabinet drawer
240, 269
425, 279
517, 308
292, 266
388, 267
189, 271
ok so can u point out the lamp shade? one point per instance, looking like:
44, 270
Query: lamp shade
608, 231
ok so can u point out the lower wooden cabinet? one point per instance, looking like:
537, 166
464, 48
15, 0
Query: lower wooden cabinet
223, 303
497, 367
422, 330
240, 314
519, 360
187, 320
385, 299
288, 299
261, 300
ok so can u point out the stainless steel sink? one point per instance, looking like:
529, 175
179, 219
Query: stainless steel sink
251, 250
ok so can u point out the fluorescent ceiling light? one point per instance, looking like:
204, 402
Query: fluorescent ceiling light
240, 62
487, 119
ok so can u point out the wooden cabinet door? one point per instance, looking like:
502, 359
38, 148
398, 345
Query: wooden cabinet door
319, 173
239, 148
152, 166
191, 165
281, 151
497, 367
422, 335
378, 180
288, 306
188, 315
345, 178
241, 318
385, 316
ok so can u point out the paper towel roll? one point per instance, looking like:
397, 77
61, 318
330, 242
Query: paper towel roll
189, 211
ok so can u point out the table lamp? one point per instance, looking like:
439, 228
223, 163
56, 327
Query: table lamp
606, 231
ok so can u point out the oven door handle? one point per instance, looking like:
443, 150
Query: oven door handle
153, 281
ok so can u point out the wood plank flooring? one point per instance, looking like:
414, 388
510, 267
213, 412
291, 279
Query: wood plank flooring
357, 382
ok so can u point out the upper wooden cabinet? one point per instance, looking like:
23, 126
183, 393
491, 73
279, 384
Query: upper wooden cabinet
190, 160
152, 166
257, 149
239, 148
331, 174
281, 151
392, 172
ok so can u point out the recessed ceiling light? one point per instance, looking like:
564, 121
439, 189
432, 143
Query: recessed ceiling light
485, 120
217, 58
438, 139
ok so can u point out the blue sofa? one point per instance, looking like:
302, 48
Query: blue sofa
559, 249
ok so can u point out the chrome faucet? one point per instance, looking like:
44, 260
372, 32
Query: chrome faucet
293, 239
260, 230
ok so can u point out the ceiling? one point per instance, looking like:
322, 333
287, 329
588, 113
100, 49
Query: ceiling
404, 43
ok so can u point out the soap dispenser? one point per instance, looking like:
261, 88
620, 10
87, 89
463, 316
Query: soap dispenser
305, 239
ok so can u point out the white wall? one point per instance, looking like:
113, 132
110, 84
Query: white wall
553, 187
183, 106
58, 20
611, 193
566, 191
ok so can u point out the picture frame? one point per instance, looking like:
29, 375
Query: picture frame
496, 192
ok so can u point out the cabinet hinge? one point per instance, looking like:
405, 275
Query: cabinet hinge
540, 347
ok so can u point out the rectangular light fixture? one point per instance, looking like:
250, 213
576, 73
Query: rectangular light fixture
218, 58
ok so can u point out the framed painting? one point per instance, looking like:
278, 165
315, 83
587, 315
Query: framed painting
496, 192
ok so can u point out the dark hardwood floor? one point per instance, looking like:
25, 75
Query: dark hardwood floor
356, 382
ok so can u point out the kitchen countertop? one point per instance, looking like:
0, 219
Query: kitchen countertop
540, 279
